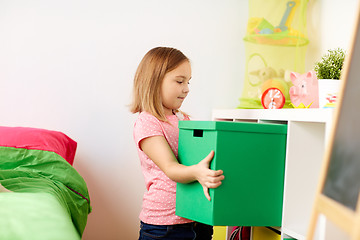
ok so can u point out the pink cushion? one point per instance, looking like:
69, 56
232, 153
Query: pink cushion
39, 139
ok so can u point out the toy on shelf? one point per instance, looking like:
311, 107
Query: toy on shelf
301, 105
259, 26
261, 31
275, 44
284, 21
270, 86
304, 93
274, 93
259, 76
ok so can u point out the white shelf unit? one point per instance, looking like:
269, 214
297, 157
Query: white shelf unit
308, 131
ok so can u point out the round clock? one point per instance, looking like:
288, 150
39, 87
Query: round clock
272, 98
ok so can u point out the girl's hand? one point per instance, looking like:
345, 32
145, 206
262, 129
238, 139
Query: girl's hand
159, 151
206, 177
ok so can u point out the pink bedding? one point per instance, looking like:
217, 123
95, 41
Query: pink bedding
39, 139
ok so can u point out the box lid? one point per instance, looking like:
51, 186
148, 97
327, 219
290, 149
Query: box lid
234, 126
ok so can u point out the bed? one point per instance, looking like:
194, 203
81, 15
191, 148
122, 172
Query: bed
41, 195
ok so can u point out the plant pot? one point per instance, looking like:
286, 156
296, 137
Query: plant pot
328, 92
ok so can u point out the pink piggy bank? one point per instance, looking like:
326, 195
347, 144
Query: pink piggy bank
305, 89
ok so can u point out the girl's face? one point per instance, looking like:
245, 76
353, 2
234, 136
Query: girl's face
174, 88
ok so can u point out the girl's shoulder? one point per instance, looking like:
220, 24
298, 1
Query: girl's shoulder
146, 122
146, 116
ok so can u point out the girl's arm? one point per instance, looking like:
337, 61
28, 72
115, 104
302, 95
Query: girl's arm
159, 151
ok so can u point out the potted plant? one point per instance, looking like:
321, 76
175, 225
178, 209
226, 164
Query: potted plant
328, 72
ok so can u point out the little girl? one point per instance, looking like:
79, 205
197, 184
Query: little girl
160, 87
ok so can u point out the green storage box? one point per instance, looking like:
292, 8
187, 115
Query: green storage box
252, 156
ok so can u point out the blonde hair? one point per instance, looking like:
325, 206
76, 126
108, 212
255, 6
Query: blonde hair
149, 77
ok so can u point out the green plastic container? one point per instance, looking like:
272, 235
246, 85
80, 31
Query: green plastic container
252, 156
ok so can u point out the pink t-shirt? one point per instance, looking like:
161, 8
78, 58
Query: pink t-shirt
159, 200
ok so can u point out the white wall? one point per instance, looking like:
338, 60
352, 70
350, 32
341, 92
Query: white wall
330, 25
68, 65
